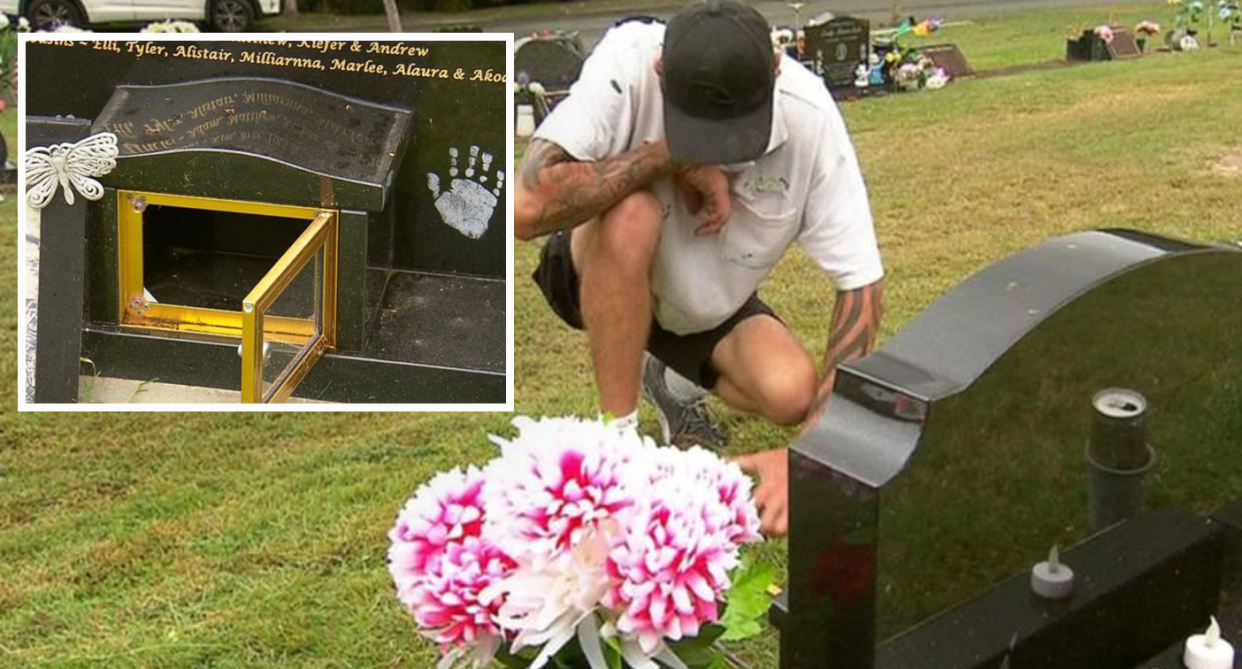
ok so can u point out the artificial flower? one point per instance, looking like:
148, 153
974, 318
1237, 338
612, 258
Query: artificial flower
546, 601
448, 602
557, 479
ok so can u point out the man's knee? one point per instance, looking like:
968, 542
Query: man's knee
629, 230
786, 396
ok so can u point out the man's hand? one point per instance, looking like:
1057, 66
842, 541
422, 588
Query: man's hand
772, 495
706, 188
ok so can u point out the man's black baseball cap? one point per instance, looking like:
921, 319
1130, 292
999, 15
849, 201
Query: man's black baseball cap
719, 77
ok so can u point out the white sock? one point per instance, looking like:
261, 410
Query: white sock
629, 420
682, 389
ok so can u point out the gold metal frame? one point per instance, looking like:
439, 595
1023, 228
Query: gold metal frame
135, 311
251, 325
321, 234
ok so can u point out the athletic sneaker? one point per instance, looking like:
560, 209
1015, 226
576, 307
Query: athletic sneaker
682, 423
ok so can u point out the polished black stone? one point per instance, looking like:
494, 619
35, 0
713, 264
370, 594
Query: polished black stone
836, 48
441, 320
62, 274
263, 140
554, 62
336, 377
280, 120
1139, 587
955, 453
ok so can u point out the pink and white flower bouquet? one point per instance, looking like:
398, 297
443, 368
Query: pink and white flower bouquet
582, 545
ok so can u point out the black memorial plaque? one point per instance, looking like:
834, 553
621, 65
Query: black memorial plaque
836, 48
221, 128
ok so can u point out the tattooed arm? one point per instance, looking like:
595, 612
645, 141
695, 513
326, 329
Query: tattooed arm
556, 192
855, 323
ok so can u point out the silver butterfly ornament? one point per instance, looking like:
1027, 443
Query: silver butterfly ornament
69, 166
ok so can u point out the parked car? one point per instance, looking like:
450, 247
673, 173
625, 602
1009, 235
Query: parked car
228, 16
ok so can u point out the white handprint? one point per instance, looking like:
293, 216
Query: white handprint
468, 206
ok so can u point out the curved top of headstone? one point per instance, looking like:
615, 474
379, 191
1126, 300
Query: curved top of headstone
555, 61
255, 139
880, 403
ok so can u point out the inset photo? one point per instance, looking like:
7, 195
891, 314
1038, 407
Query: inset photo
225, 222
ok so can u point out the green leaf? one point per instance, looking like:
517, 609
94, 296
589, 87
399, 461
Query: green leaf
698, 652
743, 629
747, 601
520, 660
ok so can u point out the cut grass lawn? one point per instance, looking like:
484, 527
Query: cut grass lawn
239, 540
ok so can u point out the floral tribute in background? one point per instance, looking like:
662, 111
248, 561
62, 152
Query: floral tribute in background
582, 545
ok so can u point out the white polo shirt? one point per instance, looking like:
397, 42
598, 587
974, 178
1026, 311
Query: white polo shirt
806, 188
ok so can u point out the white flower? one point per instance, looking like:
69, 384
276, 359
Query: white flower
545, 601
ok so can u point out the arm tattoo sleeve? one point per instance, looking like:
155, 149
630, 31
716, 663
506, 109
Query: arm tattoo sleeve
855, 324
569, 193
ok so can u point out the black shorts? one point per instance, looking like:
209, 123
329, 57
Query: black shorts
689, 355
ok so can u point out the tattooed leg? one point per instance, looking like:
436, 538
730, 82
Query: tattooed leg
612, 255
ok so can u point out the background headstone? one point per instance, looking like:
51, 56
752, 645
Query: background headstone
554, 62
949, 58
1123, 45
836, 48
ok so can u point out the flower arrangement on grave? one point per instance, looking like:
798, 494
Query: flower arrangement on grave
1105, 33
1230, 13
1185, 24
582, 545
904, 66
1145, 30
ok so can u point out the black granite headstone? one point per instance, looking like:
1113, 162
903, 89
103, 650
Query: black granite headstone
836, 48
554, 62
1090, 46
62, 276
407, 141
457, 90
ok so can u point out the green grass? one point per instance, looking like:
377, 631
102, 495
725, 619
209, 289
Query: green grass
1033, 36
8, 126
237, 540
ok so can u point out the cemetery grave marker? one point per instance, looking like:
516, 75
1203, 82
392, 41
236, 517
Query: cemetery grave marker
949, 58
984, 402
314, 199
835, 49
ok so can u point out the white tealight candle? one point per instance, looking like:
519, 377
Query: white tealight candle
1208, 650
1051, 579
